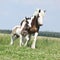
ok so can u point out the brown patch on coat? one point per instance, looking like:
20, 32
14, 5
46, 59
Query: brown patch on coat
34, 25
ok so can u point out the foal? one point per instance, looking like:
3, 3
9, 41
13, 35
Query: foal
19, 31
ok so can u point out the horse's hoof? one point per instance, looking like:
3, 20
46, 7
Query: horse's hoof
11, 43
32, 47
20, 45
25, 45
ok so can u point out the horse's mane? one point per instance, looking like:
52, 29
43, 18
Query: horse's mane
33, 21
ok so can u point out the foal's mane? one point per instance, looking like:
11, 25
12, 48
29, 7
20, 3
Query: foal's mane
23, 21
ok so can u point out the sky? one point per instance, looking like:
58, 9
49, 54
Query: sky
13, 11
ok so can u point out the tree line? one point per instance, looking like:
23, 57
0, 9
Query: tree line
5, 31
49, 34
41, 33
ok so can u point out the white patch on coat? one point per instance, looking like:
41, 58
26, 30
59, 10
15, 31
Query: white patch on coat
41, 16
18, 31
23, 24
30, 21
42, 13
16, 26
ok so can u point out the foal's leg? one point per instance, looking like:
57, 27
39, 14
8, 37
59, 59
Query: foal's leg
23, 40
27, 39
11, 43
34, 41
20, 40
12, 38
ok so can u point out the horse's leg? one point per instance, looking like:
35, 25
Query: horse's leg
20, 40
34, 41
12, 39
27, 39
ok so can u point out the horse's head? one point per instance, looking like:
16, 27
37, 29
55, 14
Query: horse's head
42, 12
41, 16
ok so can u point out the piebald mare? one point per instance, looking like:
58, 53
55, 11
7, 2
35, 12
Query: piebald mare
36, 21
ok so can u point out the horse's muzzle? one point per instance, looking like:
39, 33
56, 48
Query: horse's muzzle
40, 24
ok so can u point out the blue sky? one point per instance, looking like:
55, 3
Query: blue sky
13, 11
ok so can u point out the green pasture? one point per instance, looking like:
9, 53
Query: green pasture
47, 48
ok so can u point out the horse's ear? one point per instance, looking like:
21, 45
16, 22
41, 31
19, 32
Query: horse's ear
44, 11
26, 18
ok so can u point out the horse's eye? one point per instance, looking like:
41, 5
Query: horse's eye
39, 11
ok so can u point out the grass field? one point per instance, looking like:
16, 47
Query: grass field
47, 48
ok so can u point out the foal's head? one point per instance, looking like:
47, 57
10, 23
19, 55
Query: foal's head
25, 23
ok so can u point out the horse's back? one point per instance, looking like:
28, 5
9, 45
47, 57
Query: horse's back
17, 26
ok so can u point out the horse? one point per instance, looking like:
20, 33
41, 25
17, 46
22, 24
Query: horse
29, 26
35, 22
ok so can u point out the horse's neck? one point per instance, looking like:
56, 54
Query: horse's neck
33, 21
34, 25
